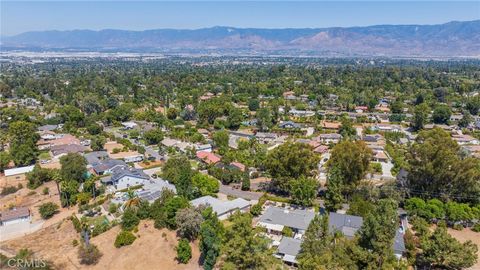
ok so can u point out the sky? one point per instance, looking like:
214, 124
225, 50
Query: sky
22, 16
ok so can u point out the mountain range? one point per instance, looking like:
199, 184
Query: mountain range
453, 39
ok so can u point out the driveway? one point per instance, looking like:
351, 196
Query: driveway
247, 195
8, 232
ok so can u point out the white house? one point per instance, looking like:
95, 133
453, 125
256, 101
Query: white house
134, 158
223, 209
14, 216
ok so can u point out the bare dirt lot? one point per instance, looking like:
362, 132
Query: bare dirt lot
153, 249
465, 235
109, 146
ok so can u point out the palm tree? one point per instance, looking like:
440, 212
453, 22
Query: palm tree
133, 199
58, 179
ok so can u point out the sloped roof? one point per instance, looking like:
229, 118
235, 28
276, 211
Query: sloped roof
347, 224
220, 207
289, 246
297, 219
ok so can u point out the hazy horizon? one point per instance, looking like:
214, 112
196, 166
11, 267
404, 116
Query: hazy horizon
24, 16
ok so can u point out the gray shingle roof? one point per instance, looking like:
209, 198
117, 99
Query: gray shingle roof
289, 246
296, 219
221, 207
347, 224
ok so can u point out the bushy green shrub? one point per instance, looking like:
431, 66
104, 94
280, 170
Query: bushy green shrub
184, 251
124, 238
47, 210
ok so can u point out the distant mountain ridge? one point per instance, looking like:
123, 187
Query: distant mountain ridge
449, 39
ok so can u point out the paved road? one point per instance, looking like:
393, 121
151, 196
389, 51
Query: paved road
247, 195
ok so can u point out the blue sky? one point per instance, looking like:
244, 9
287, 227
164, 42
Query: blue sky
22, 16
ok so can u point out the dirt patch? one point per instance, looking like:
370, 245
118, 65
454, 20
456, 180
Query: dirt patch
465, 235
109, 146
153, 249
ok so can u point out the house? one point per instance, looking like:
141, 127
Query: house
321, 149
330, 125
125, 177
328, 138
17, 174
463, 139
58, 151
288, 250
134, 158
62, 139
153, 190
238, 165
14, 216
290, 95
348, 225
289, 124
265, 137
129, 125
203, 147
387, 128
47, 128
207, 157
275, 219
107, 166
380, 156
223, 209
301, 113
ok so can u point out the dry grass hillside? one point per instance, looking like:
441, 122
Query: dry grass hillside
153, 249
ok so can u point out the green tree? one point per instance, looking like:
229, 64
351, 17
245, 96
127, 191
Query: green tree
172, 113
234, 119
473, 105
346, 129
253, 104
189, 221
466, 120
264, 119
436, 168
210, 238
47, 210
204, 185
124, 238
153, 136
441, 114
130, 220
242, 239
420, 116
23, 142
220, 139
440, 250
4, 160
74, 167
333, 195
184, 251
290, 161
352, 159
376, 236
303, 191
97, 143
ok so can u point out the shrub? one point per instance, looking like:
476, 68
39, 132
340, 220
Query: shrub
256, 210
124, 238
184, 251
9, 190
83, 198
76, 223
74, 242
476, 227
45, 191
47, 210
287, 232
112, 208
89, 255
457, 227
130, 219
116, 150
